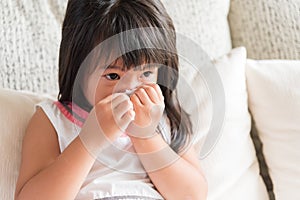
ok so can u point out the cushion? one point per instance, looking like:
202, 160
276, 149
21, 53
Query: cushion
230, 164
16, 110
268, 29
274, 101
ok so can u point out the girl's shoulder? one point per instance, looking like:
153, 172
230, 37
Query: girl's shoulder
51, 111
48, 106
63, 118
66, 112
42, 123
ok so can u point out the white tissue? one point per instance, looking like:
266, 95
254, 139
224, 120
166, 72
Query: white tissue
129, 92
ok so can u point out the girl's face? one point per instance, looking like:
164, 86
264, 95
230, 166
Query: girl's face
114, 79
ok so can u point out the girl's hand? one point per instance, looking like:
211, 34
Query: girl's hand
148, 103
107, 120
114, 114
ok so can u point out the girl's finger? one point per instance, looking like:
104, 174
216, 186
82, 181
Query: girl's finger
143, 96
126, 119
135, 100
158, 91
129, 115
152, 93
122, 108
111, 97
118, 98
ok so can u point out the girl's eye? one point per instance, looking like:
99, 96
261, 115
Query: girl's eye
112, 76
147, 74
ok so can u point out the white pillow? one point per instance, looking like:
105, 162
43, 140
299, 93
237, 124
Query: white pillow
231, 168
274, 101
16, 109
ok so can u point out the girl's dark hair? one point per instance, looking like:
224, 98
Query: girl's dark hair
87, 23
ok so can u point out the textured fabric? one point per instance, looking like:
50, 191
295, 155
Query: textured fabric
29, 43
274, 101
231, 168
204, 21
117, 170
30, 33
268, 29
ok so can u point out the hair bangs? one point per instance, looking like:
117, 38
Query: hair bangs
135, 47
136, 39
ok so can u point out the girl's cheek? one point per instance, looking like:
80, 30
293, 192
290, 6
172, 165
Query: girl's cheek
102, 92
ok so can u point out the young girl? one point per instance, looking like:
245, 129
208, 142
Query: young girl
117, 129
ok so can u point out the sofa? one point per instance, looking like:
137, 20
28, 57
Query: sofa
247, 128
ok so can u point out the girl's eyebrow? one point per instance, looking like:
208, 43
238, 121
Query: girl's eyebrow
139, 67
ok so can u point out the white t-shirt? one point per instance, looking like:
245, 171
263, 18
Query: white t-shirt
118, 173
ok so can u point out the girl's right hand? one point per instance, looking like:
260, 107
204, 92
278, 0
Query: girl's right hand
107, 120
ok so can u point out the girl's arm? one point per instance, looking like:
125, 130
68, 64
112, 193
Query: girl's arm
175, 177
44, 172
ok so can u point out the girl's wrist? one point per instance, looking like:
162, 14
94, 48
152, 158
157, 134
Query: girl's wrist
154, 153
149, 144
144, 137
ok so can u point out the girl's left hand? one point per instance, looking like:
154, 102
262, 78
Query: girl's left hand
148, 104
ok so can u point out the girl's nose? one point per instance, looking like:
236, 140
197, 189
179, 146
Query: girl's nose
130, 81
